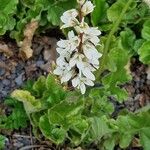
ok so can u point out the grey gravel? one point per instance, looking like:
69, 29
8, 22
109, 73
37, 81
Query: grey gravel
6, 82
19, 79
2, 71
39, 63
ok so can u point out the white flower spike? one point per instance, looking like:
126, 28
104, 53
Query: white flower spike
79, 57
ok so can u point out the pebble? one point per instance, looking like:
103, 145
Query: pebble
6, 82
2, 71
39, 63
19, 80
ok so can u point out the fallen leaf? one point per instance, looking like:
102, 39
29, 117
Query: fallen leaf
25, 47
5, 49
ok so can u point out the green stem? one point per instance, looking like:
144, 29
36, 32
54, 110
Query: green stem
108, 41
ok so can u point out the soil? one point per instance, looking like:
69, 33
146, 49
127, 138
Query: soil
14, 72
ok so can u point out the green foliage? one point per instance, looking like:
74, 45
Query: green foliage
16, 14
2, 141
98, 15
7, 10
82, 119
60, 115
144, 52
16, 119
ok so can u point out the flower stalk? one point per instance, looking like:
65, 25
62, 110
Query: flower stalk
108, 41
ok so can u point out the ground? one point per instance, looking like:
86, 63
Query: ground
14, 72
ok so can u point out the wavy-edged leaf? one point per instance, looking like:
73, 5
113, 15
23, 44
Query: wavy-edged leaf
30, 103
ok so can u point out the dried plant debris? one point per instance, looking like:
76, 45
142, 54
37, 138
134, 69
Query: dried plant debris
6, 50
25, 48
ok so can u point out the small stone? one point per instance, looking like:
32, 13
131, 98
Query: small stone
4, 93
2, 71
38, 50
148, 82
137, 97
1, 86
6, 82
39, 63
19, 79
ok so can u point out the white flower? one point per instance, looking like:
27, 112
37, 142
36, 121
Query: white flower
83, 66
64, 70
70, 44
80, 83
77, 60
90, 51
69, 18
81, 2
92, 31
87, 8
91, 34
80, 28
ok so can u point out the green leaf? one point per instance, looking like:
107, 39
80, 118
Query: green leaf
57, 135
146, 30
109, 143
99, 128
40, 86
127, 40
8, 6
54, 14
119, 58
144, 52
30, 103
115, 10
65, 113
138, 44
17, 118
2, 141
99, 11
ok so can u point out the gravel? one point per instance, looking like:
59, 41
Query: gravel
20, 71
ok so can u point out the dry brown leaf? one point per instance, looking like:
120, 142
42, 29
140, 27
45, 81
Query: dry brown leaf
25, 49
5, 49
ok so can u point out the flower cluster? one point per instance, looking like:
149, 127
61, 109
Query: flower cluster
79, 57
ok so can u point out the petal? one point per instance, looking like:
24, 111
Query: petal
62, 43
88, 73
75, 82
87, 8
82, 88
66, 77
89, 82
71, 34
57, 71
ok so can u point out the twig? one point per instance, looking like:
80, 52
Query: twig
23, 136
31, 139
32, 146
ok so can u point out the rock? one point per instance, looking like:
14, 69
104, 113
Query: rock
19, 79
6, 82
38, 50
1, 85
148, 73
4, 93
39, 63
2, 71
